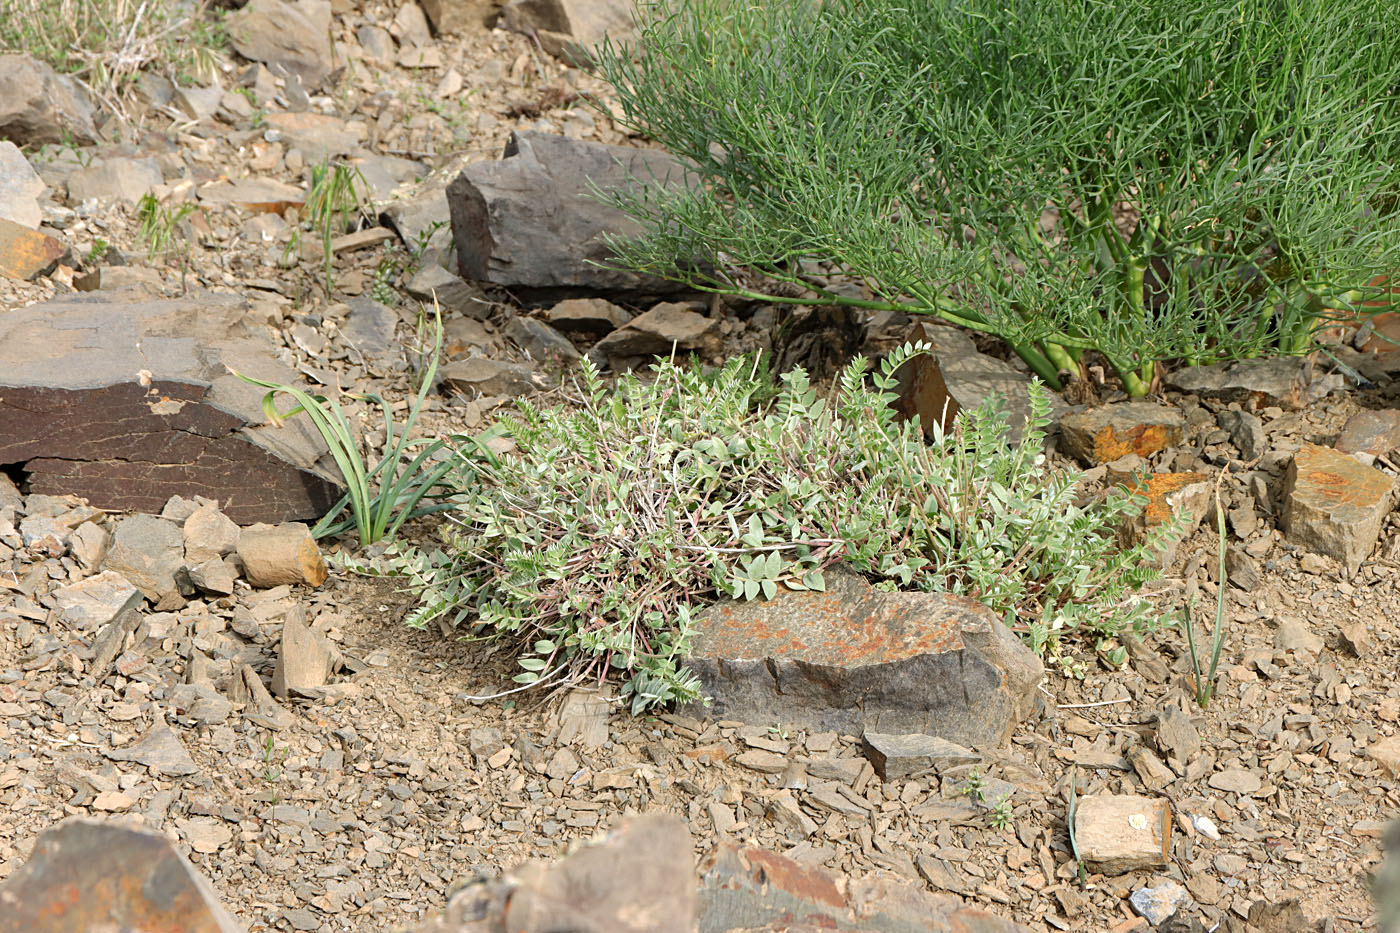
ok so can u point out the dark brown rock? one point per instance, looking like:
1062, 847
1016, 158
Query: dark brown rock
923, 394
89, 875
665, 329
853, 659
127, 403
530, 222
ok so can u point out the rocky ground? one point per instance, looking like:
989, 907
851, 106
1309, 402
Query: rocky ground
362, 804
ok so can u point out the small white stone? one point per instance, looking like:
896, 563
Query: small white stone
1205, 826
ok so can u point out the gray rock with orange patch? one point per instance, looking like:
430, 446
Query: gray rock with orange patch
854, 659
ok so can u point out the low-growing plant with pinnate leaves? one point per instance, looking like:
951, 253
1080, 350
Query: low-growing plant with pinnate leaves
619, 516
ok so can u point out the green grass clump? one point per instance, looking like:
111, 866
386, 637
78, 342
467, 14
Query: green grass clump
617, 517
1142, 181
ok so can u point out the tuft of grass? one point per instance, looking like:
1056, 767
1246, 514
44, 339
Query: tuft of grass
333, 199
1204, 679
403, 484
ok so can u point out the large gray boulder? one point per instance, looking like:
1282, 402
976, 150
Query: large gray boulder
38, 105
531, 223
291, 36
854, 659
128, 402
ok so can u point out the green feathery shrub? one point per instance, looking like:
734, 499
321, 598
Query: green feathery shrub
1150, 180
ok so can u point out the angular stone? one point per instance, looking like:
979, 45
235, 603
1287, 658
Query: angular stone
898, 756
1386, 753
114, 179
480, 376
411, 26
594, 316
435, 285
376, 44
923, 394
38, 105
260, 707
638, 879
450, 17
258, 195
571, 29
148, 551
112, 278
92, 603
1119, 833
412, 57
26, 253
541, 341
205, 835
531, 223
1370, 432
1284, 382
305, 657
369, 329
127, 403
1236, 781
317, 135
583, 718
974, 378
161, 751
294, 36
215, 576
1150, 769
1103, 434
273, 555
1155, 905
109, 643
853, 659
1333, 505
753, 889
1246, 432
89, 875
209, 535
1176, 735
665, 329
20, 188
89, 544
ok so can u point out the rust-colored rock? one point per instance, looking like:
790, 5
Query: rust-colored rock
129, 402
1104, 434
854, 659
753, 889
1334, 505
1168, 494
91, 876
26, 253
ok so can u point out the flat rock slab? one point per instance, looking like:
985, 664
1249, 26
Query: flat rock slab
1106, 433
89, 875
855, 659
1285, 382
530, 223
130, 402
1334, 505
